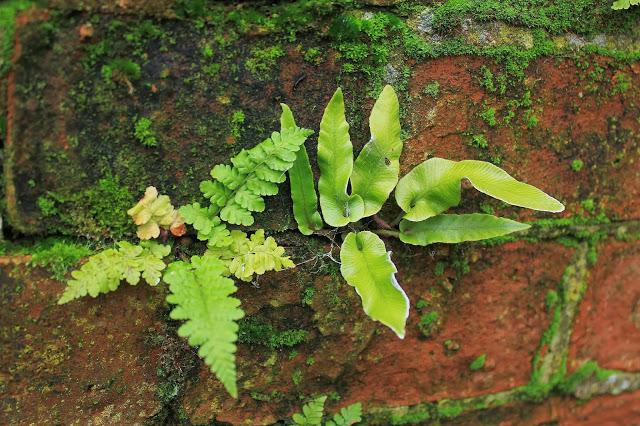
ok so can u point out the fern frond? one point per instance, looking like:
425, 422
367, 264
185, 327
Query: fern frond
202, 296
104, 271
246, 257
347, 416
237, 190
153, 212
311, 413
205, 221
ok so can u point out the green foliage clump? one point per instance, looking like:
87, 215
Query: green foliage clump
478, 362
143, 131
121, 69
479, 141
489, 116
57, 256
429, 323
577, 165
237, 120
105, 271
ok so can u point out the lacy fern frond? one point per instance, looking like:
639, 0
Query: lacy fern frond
104, 271
246, 257
311, 413
154, 211
237, 190
202, 296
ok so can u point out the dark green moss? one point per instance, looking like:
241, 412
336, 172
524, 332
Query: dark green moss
58, 256
256, 331
478, 362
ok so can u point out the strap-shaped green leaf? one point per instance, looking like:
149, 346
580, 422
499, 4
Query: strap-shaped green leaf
375, 172
335, 160
434, 186
453, 228
303, 189
367, 266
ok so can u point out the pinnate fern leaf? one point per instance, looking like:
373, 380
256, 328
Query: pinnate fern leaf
312, 413
347, 416
237, 190
202, 296
246, 256
206, 222
105, 271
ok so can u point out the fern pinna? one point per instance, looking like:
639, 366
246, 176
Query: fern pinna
201, 289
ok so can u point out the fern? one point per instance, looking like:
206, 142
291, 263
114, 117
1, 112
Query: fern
347, 416
202, 296
208, 225
105, 271
245, 257
237, 190
153, 212
311, 413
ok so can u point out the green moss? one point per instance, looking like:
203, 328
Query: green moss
313, 56
144, 133
120, 68
256, 331
581, 16
479, 141
262, 61
307, 295
489, 116
449, 409
108, 203
577, 165
478, 362
236, 122
432, 89
296, 377
588, 370
8, 11
413, 417
429, 323
622, 83
551, 299
58, 256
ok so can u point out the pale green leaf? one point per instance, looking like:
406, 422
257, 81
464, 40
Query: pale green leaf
624, 4
452, 228
335, 160
367, 266
312, 413
434, 186
303, 190
375, 172
347, 416
202, 296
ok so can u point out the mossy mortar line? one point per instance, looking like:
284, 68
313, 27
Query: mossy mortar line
616, 383
552, 232
574, 283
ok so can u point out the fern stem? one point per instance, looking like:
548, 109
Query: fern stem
387, 233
